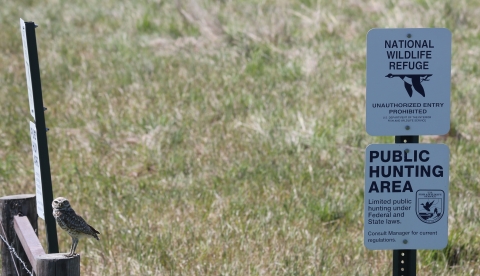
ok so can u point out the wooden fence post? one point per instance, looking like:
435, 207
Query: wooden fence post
58, 265
11, 206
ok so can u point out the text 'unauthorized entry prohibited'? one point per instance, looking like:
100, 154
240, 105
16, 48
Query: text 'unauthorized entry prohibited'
408, 81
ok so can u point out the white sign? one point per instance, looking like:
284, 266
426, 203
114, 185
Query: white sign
36, 168
27, 68
408, 81
406, 196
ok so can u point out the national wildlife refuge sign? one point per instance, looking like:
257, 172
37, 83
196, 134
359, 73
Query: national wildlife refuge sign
408, 81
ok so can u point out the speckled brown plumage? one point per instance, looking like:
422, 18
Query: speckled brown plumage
74, 224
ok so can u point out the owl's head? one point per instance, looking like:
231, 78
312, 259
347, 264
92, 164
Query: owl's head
60, 203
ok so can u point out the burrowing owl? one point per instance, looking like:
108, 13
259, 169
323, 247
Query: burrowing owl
74, 224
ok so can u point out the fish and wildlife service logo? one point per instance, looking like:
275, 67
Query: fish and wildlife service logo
414, 80
430, 205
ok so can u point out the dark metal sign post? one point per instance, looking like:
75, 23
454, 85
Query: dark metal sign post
37, 111
405, 261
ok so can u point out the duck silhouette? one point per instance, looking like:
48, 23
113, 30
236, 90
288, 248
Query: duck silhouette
416, 82
427, 205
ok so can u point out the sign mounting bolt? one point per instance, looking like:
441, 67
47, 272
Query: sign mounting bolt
407, 150
409, 35
407, 127
405, 241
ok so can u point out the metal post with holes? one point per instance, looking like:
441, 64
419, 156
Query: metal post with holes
40, 147
405, 261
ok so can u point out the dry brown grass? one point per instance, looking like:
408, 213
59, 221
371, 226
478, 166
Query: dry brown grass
225, 137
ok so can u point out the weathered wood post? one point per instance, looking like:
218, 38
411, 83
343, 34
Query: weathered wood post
11, 206
58, 265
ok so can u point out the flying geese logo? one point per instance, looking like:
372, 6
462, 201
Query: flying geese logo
414, 80
430, 205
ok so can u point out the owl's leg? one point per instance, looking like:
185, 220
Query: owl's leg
72, 249
75, 243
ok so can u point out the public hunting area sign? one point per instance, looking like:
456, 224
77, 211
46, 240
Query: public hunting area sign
406, 196
408, 81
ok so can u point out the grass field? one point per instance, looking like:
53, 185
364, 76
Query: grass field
226, 137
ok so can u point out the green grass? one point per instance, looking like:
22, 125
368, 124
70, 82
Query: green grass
226, 137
